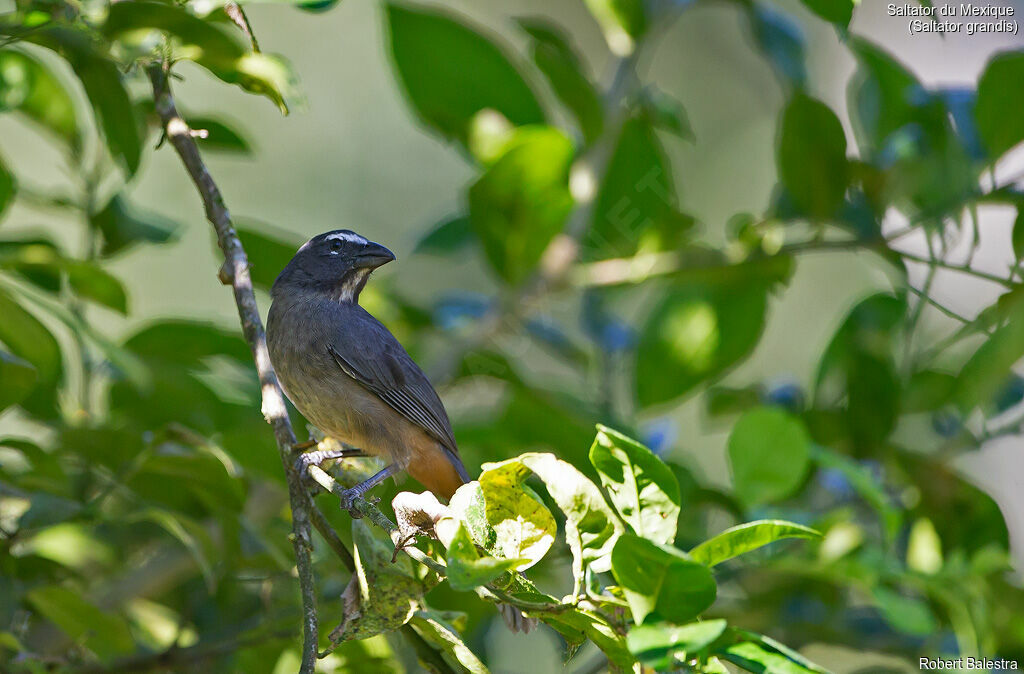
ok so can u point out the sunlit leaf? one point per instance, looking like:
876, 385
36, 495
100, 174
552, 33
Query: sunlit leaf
434, 629
522, 201
745, 537
430, 50
467, 568
381, 596
695, 334
641, 487
769, 451
591, 527
622, 21
523, 527
654, 645
660, 581
756, 658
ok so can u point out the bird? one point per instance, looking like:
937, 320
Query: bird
348, 375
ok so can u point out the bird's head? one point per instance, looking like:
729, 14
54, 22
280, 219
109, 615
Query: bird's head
334, 263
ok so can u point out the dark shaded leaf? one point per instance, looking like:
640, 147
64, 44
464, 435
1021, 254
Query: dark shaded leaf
113, 107
30, 340
769, 451
268, 249
104, 633
989, 369
122, 226
998, 92
7, 184
781, 40
219, 136
560, 63
449, 236
17, 376
812, 157
432, 626
430, 51
522, 201
838, 12
660, 581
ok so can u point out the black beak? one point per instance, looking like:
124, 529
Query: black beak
373, 255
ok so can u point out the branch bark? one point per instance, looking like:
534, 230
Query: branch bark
235, 272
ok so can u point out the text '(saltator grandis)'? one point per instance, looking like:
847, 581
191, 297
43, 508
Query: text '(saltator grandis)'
347, 373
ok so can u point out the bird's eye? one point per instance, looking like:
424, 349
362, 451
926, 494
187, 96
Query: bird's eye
335, 245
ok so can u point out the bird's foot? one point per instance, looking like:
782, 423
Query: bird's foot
307, 459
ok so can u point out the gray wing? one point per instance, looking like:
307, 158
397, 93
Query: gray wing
366, 351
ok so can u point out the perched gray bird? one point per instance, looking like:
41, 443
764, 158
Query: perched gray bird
347, 373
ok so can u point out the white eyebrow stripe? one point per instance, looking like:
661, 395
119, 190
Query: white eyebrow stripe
353, 238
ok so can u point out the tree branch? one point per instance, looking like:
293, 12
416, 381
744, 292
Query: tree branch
235, 272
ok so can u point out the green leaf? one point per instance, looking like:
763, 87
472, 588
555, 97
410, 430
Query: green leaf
907, 614
522, 201
449, 236
769, 451
928, 390
561, 65
591, 527
122, 226
1018, 234
997, 93
988, 370
660, 581
756, 658
642, 488
838, 12
781, 41
219, 136
655, 645
28, 87
743, 538
381, 596
105, 634
523, 528
695, 334
771, 645
623, 22
113, 108
196, 539
858, 365
435, 630
666, 112
812, 157
467, 569
430, 50
30, 340
268, 249
636, 205
166, 478
18, 377
7, 185
578, 625
42, 263
203, 42
866, 484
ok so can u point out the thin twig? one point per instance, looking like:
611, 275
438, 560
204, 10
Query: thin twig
235, 272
